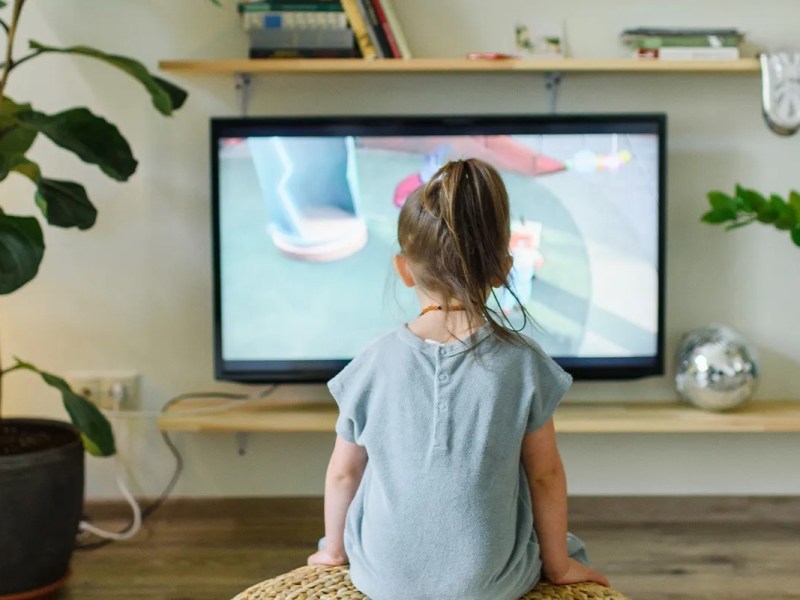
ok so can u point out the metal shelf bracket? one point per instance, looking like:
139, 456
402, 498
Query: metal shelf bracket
244, 84
552, 80
242, 439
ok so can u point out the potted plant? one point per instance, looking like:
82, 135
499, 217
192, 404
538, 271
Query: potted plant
41, 461
747, 206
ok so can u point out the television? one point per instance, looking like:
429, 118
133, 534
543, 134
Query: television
304, 217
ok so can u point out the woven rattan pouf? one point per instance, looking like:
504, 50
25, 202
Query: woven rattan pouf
329, 583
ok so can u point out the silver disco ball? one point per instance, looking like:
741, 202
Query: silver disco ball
717, 368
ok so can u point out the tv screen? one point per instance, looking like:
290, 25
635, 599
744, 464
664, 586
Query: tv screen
304, 227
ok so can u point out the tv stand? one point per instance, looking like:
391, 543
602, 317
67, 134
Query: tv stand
286, 416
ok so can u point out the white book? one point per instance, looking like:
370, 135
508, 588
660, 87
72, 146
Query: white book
294, 20
689, 53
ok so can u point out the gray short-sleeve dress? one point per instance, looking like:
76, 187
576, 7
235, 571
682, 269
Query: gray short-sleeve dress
443, 510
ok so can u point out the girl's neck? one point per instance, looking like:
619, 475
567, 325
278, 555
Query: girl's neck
440, 325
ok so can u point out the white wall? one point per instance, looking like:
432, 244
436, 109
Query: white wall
134, 293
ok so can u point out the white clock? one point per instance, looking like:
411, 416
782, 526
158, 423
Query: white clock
780, 90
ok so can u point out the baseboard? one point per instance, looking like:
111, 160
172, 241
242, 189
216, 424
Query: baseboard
684, 509
582, 509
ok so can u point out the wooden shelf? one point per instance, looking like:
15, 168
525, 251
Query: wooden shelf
639, 417
453, 65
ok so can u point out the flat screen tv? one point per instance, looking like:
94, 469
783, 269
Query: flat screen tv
304, 228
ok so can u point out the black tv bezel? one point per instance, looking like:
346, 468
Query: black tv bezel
317, 371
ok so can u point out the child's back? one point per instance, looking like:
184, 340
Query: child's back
442, 446
444, 510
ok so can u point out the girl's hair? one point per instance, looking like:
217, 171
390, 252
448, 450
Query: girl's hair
455, 232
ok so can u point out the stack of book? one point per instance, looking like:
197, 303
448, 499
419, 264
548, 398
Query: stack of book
298, 29
684, 43
376, 28
323, 29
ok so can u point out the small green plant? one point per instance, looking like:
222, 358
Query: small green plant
748, 206
61, 203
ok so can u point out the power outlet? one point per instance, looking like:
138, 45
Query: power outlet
105, 388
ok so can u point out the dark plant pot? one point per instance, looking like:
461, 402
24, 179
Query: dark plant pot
41, 500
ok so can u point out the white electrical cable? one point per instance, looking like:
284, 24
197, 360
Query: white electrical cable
204, 410
137, 514
117, 393
234, 401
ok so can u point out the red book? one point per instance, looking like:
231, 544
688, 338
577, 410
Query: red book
387, 28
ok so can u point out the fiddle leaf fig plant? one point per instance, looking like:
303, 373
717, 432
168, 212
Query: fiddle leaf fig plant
61, 203
747, 206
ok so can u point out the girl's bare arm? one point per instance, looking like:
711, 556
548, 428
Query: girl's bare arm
345, 470
548, 486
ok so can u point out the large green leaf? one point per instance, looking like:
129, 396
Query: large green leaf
16, 162
21, 251
10, 108
26, 167
166, 98
177, 95
92, 138
65, 203
98, 438
15, 140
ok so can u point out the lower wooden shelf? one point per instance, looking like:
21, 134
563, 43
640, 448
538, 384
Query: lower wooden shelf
601, 417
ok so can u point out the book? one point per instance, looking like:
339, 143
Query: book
292, 1
680, 31
374, 23
359, 28
289, 5
304, 53
272, 39
295, 2
387, 29
699, 53
371, 31
691, 37
397, 31
688, 41
294, 20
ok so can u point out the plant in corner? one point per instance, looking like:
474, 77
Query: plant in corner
41, 461
747, 206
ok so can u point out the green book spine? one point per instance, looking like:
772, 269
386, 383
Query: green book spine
684, 41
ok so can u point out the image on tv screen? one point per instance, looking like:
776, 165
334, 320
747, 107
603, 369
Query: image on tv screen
308, 228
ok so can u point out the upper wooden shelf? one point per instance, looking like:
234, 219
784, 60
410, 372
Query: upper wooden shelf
639, 417
453, 65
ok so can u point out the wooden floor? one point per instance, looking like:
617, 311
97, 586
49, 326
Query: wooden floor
652, 549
